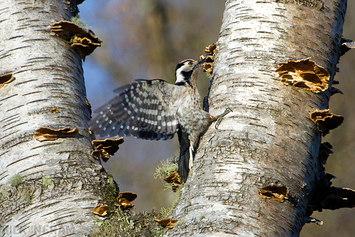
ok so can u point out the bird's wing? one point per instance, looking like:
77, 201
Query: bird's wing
144, 109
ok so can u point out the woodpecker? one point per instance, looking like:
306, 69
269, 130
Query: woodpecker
155, 109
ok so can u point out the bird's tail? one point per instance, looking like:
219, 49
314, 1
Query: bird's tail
184, 157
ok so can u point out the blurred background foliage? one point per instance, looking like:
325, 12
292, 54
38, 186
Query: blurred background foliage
145, 39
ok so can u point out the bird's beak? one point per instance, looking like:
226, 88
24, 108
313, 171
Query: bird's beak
201, 61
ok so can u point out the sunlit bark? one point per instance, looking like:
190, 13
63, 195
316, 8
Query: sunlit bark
48, 188
269, 137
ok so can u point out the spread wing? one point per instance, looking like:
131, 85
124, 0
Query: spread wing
144, 109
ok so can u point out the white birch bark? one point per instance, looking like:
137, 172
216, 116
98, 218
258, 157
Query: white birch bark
269, 136
60, 183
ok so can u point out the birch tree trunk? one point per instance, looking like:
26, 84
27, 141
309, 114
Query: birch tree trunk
48, 188
269, 138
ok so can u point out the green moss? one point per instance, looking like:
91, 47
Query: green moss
46, 181
209, 75
2, 196
16, 180
79, 221
26, 196
132, 224
163, 170
119, 223
80, 22
110, 191
178, 192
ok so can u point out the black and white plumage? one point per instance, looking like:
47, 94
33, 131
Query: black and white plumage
156, 109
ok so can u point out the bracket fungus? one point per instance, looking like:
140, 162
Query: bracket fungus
50, 134
339, 198
54, 110
124, 200
5, 79
104, 149
84, 41
334, 90
174, 178
101, 209
305, 74
211, 49
167, 223
325, 150
326, 121
209, 57
330, 197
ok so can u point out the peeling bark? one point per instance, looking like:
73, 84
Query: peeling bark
269, 137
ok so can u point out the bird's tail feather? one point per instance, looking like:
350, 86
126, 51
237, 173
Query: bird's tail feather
184, 157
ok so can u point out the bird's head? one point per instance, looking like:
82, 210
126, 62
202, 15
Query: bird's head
184, 70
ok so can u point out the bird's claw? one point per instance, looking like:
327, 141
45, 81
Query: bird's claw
220, 117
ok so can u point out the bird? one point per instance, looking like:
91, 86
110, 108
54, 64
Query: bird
156, 110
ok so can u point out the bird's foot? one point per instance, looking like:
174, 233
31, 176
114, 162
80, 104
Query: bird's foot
220, 117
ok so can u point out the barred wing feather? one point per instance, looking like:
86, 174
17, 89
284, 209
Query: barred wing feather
144, 109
